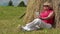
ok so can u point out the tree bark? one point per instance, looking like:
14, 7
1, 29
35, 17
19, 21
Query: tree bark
55, 6
33, 6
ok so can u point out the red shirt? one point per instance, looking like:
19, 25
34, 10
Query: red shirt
45, 14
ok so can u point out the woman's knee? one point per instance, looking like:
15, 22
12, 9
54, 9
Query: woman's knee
37, 19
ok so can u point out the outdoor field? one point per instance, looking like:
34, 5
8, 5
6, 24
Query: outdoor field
10, 19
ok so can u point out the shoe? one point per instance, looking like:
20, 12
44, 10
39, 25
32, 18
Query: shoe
22, 28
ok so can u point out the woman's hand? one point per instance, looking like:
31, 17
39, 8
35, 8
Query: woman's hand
40, 17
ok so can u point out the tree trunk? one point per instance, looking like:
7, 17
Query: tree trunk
33, 6
55, 6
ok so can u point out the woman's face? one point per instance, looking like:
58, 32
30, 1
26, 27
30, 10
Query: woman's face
45, 7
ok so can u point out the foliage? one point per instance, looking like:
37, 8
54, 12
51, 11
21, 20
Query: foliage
22, 4
10, 3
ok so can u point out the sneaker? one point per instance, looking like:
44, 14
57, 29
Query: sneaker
23, 28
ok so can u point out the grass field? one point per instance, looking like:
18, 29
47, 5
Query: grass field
9, 20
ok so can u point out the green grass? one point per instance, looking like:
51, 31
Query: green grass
9, 20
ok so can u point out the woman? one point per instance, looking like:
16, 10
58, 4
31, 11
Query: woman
45, 19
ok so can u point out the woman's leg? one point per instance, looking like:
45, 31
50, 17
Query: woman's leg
35, 22
39, 23
32, 24
45, 25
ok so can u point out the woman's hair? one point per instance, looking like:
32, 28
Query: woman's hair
50, 8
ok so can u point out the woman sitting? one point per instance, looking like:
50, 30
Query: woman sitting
45, 19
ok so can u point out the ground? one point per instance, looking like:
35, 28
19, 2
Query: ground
9, 20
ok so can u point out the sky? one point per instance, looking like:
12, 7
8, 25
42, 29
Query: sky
15, 2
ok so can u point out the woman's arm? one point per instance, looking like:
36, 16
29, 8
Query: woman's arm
49, 16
